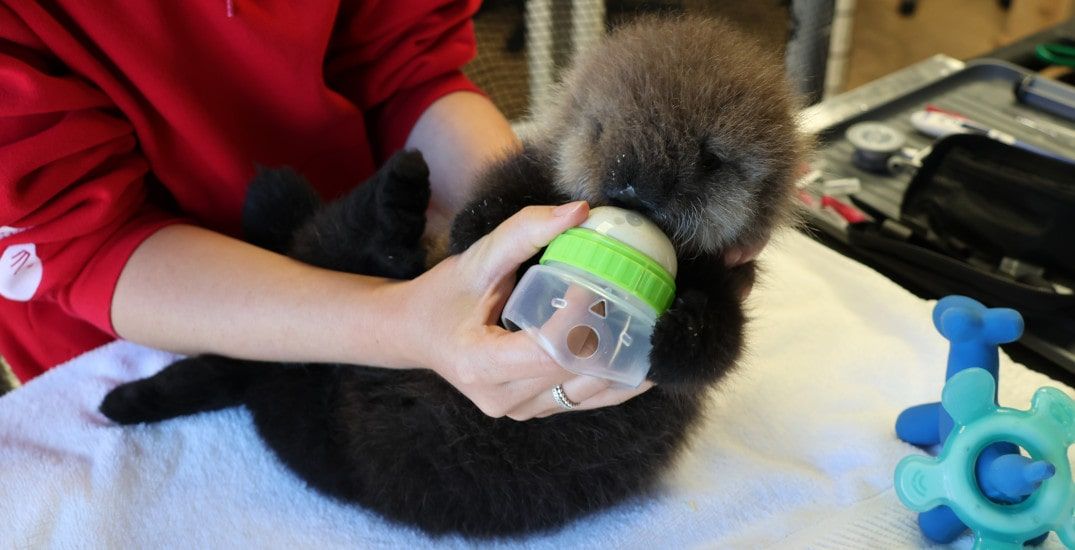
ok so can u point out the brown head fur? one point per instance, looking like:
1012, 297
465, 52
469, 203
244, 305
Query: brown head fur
685, 119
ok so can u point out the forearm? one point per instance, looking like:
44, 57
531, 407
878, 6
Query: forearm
458, 134
190, 290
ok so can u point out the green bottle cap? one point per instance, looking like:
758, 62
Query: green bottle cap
615, 262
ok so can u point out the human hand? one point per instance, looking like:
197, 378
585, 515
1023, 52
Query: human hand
739, 255
451, 311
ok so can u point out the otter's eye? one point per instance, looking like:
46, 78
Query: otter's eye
598, 129
708, 161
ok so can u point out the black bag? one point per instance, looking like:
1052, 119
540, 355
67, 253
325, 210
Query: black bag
977, 203
986, 198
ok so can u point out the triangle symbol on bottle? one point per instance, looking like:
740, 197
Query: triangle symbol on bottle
599, 308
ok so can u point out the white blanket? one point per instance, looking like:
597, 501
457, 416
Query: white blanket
798, 451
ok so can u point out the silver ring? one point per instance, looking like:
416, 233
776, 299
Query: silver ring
561, 399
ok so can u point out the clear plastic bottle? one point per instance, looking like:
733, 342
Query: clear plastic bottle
594, 299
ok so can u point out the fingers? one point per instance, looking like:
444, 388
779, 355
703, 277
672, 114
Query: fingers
520, 386
753, 251
586, 391
606, 398
535, 396
523, 235
516, 356
578, 389
731, 257
743, 254
525, 376
514, 372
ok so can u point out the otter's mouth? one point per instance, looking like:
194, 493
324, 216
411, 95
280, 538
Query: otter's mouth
627, 195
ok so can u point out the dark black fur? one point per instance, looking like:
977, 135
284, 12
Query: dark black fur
282, 195
405, 443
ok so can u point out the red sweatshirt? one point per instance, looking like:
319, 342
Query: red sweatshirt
118, 120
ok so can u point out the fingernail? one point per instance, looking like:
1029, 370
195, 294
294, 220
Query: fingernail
567, 209
732, 258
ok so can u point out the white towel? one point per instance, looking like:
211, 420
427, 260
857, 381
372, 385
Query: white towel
798, 450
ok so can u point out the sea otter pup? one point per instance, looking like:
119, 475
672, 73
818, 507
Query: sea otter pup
686, 120
681, 120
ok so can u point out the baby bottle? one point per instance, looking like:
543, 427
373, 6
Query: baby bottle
594, 299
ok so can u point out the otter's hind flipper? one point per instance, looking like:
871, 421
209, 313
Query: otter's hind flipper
277, 203
193, 385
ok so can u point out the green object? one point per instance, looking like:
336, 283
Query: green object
8, 381
615, 262
1057, 54
1045, 431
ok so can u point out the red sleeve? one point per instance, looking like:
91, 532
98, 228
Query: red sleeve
72, 197
394, 58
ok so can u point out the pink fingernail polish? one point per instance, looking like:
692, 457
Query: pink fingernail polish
567, 209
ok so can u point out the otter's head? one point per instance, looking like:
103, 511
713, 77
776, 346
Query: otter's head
685, 120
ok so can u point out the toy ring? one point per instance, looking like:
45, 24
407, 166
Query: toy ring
1045, 431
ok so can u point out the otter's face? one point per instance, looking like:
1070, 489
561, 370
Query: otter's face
673, 120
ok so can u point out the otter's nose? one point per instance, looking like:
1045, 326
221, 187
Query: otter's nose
624, 197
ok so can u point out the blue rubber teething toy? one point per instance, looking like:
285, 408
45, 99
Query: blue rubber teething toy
1001, 474
1045, 431
974, 332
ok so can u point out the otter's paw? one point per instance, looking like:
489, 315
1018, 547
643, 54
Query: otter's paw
481, 217
403, 194
696, 341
